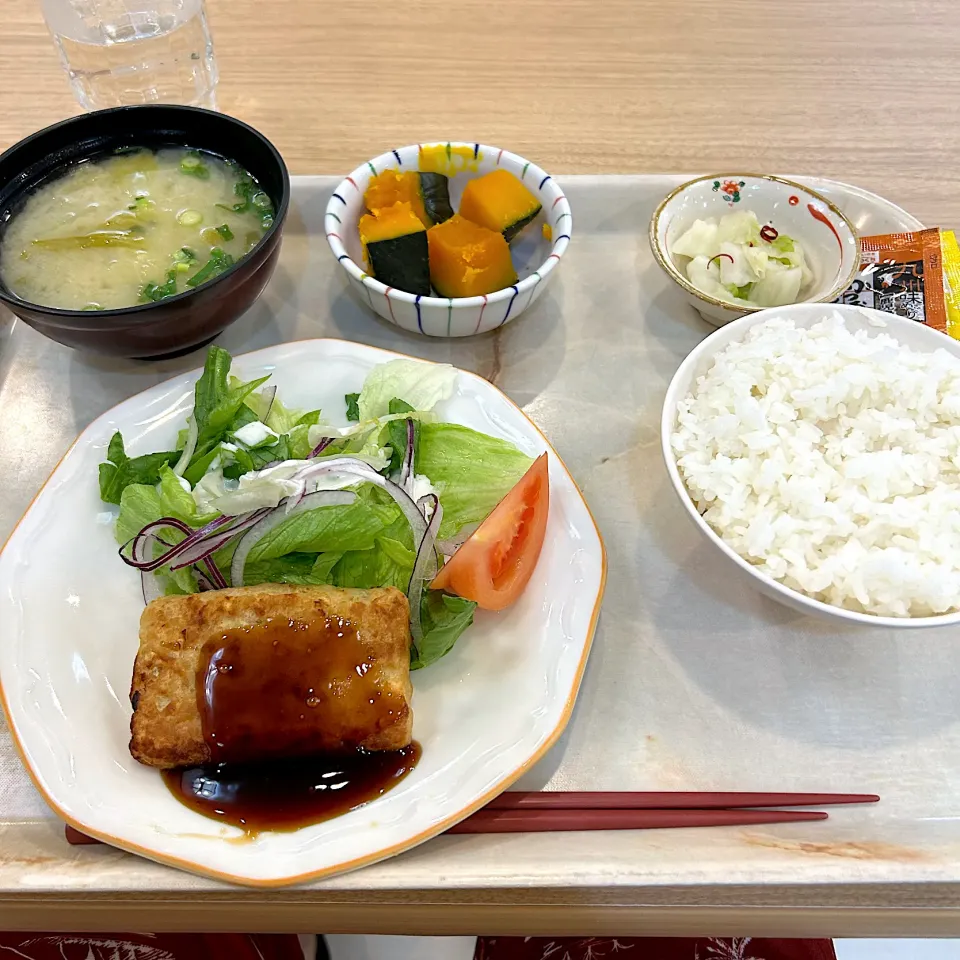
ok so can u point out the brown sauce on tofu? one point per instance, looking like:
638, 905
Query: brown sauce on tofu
287, 688
289, 794
283, 706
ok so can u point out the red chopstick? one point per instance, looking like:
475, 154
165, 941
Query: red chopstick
517, 812
548, 800
76, 838
556, 820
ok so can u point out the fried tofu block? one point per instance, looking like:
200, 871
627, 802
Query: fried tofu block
255, 673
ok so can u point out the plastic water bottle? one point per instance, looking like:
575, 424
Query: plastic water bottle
118, 52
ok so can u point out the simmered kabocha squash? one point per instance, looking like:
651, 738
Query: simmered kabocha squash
435, 190
499, 201
427, 193
467, 260
395, 248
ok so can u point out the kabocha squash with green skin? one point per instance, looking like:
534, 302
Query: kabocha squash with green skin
467, 260
435, 191
395, 248
499, 201
427, 193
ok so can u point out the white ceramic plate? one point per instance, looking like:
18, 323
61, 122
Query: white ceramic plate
69, 612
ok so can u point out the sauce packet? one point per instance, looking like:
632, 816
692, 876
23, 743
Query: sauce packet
951, 281
902, 273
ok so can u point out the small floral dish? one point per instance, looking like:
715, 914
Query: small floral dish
830, 245
536, 252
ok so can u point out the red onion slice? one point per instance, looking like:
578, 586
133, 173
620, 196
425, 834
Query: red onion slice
269, 394
141, 546
196, 545
188, 448
449, 547
351, 466
320, 447
406, 468
202, 547
150, 584
219, 582
424, 568
322, 498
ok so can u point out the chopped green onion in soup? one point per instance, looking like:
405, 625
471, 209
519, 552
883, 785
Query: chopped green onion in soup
131, 228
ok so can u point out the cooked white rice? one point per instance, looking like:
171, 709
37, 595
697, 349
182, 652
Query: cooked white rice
830, 460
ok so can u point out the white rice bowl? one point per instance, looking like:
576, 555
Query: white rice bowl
828, 458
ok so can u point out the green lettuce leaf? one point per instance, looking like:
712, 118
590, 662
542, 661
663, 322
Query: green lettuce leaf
216, 402
351, 400
175, 501
396, 431
388, 564
471, 471
199, 466
325, 530
443, 618
262, 456
120, 471
141, 504
323, 566
291, 568
298, 436
298, 440
280, 419
244, 416
422, 385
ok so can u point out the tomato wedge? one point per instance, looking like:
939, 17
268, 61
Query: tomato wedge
496, 562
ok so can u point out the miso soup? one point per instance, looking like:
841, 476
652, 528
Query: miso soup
132, 228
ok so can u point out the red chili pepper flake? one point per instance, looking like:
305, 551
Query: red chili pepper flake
769, 233
718, 256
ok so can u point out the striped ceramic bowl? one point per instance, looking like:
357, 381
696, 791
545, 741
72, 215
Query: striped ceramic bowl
536, 252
